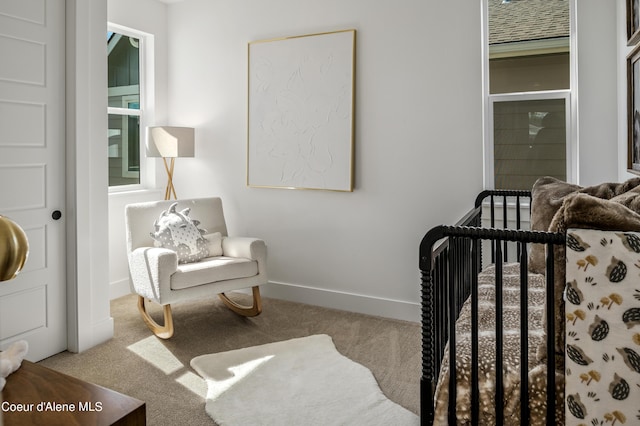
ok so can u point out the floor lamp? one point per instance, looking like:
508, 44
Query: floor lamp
170, 142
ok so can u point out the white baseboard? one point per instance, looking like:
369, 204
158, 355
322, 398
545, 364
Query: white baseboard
388, 308
119, 289
101, 332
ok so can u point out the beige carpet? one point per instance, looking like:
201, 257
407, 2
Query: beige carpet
158, 372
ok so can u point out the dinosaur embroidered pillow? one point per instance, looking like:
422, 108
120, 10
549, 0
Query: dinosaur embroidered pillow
176, 231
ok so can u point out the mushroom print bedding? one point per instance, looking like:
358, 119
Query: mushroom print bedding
602, 309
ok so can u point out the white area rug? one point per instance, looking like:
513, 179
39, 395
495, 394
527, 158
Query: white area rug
303, 381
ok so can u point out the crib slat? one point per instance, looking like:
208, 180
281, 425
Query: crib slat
524, 335
518, 222
475, 390
505, 224
441, 284
551, 359
493, 219
499, 395
452, 333
462, 284
493, 225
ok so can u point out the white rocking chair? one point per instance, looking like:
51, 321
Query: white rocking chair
156, 274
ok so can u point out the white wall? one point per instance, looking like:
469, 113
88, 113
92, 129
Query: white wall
597, 91
418, 140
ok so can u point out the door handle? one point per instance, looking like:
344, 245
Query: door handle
57, 214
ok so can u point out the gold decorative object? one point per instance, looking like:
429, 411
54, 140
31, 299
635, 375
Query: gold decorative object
14, 248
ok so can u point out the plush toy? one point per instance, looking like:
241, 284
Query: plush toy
177, 231
11, 359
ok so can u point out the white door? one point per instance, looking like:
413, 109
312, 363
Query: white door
32, 170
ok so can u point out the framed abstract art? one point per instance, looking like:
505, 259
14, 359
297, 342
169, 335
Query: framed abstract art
301, 112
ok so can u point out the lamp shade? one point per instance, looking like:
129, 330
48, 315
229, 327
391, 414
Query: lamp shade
168, 142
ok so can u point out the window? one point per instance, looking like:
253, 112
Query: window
529, 138
528, 87
126, 108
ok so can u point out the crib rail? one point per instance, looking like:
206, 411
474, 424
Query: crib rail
450, 260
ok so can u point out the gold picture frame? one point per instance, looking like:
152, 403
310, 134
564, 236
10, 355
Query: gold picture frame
301, 96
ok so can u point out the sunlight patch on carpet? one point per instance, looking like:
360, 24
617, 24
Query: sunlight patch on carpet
154, 352
298, 381
194, 383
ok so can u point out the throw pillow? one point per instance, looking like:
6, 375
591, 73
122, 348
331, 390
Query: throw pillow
178, 232
214, 243
547, 196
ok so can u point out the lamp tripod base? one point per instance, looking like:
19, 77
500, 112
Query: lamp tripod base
170, 189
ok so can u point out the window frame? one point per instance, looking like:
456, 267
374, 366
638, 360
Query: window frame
146, 111
570, 94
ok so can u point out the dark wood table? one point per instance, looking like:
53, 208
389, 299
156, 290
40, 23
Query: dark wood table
48, 397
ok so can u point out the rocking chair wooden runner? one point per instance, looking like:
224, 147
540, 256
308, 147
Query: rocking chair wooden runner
156, 275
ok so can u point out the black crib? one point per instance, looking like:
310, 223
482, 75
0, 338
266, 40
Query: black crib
450, 259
